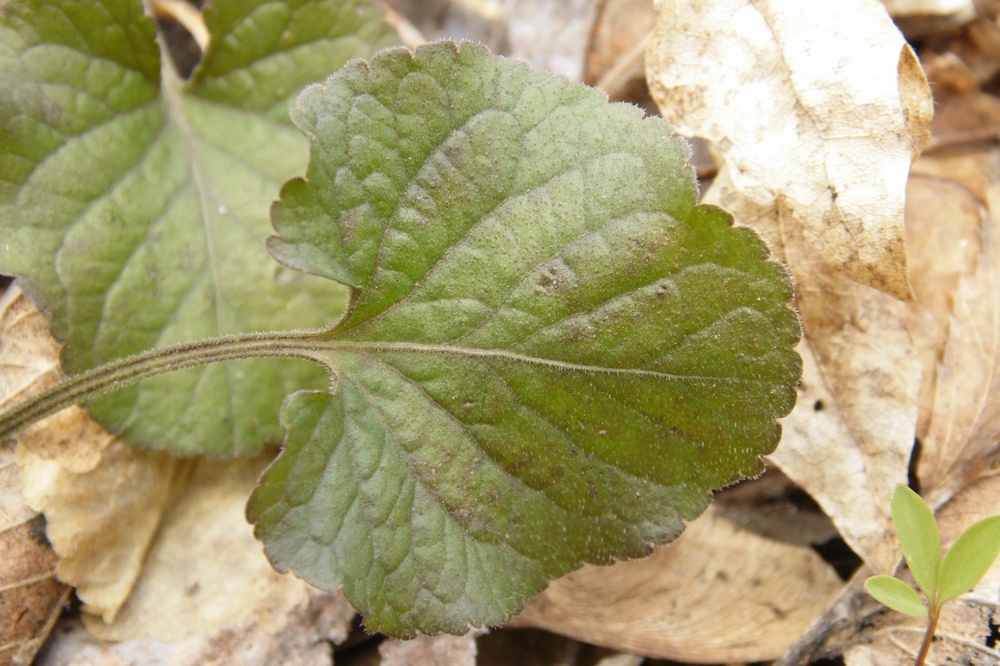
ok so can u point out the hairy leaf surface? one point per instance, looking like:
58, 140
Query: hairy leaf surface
133, 206
551, 354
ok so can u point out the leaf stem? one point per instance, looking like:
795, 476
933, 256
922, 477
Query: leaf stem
118, 374
925, 647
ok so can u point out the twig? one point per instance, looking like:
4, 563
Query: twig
617, 78
838, 614
408, 33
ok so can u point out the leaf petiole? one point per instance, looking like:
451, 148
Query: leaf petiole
118, 374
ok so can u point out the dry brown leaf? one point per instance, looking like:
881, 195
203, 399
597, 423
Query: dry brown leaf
616, 55
102, 500
430, 651
102, 521
31, 598
304, 641
550, 34
965, 113
929, 7
167, 536
948, 76
870, 362
956, 251
822, 105
29, 356
816, 110
205, 569
976, 44
843, 471
719, 593
962, 438
966, 168
920, 19
943, 220
850, 435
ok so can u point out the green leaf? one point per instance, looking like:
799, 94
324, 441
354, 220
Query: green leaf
896, 594
551, 354
918, 534
969, 558
134, 206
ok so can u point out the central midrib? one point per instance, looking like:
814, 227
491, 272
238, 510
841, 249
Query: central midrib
502, 354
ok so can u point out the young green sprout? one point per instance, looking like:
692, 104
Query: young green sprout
939, 578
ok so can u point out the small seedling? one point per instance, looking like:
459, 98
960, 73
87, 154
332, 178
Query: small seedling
939, 578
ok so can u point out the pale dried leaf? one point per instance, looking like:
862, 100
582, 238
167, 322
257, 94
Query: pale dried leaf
620, 659
977, 45
964, 167
848, 440
616, 54
101, 522
943, 219
719, 593
965, 114
820, 104
947, 76
14, 509
29, 364
304, 641
844, 469
816, 110
204, 569
551, 34
102, 499
31, 598
962, 437
430, 651
930, 7
29, 355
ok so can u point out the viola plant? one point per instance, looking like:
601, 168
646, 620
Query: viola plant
550, 354
941, 579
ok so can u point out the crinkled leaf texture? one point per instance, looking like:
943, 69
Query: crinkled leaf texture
551, 354
134, 206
